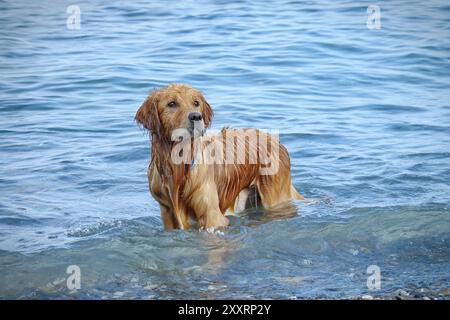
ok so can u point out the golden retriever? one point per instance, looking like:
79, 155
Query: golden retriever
196, 177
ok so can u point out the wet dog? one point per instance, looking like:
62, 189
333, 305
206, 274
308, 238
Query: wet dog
198, 177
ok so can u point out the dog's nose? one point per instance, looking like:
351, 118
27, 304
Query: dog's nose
195, 116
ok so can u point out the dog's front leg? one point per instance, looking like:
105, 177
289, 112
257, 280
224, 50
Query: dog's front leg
205, 203
167, 217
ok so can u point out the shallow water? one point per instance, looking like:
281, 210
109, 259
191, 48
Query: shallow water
364, 114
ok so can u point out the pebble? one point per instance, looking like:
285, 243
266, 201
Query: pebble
402, 295
444, 292
151, 286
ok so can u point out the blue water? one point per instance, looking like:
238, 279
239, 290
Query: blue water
364, 113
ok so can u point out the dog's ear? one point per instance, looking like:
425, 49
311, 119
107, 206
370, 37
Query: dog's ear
148, 115
207, 113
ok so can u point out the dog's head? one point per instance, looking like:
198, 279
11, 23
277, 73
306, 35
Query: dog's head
176, 106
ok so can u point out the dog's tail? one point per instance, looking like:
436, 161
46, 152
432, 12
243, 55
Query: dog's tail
295, 195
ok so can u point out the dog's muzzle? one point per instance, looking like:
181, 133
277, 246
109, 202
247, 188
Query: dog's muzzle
197, 125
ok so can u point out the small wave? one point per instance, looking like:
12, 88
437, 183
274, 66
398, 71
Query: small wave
94, 229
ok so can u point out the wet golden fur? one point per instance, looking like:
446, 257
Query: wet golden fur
204, 192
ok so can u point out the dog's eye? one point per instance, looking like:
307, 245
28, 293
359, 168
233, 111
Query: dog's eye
172, 104
196, 103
